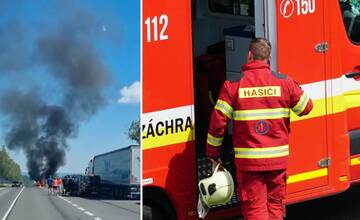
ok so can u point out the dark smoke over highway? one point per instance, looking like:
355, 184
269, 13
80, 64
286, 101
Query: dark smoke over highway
40, 123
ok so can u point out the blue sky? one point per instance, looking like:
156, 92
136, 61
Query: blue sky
115, 36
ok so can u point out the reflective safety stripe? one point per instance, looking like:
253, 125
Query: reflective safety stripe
214, 141
355, 161
224, 107
301, 105
261, 114
211, 99
307, 175
259, 153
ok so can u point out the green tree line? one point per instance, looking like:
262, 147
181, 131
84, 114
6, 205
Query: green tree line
134, 131
8, 168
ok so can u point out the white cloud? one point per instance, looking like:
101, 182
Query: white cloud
131, 94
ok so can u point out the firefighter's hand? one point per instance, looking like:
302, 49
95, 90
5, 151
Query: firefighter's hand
215, 161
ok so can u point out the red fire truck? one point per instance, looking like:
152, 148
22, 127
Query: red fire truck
316, 42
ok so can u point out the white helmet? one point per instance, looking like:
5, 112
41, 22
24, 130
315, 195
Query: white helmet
218, 188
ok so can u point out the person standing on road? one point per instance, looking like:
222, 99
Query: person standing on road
259, 104
50, 185
56, 185
61, 186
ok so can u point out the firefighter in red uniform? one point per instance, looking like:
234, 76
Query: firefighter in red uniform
259, 104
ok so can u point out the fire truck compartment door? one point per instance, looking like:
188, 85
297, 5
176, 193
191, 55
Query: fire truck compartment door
300, 31
167, 55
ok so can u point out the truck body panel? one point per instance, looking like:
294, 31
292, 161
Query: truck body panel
118, 167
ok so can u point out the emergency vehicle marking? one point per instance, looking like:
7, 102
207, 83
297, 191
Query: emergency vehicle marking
224, 107
330, 97
307, 175
343, 93
262, 127
261, 114
259, 153
152, 27
167, 127
355, 161
214, 141
259, 92
287, 8
303, 7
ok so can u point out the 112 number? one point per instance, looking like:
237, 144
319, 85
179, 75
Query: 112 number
152, 28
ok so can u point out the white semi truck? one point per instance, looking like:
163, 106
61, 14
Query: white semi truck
119, 172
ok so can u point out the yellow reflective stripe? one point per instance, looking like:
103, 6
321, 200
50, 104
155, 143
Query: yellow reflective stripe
224, 107
259, 114
355, 161
211, 99
307, 175
214, 141
301, 105
352, 99
259, 153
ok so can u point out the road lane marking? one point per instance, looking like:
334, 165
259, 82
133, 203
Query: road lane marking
12, 205
89, 213
80, 208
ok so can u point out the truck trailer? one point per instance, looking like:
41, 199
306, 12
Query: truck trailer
119, 172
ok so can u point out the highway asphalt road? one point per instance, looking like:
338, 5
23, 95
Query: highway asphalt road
7, 196
34, 203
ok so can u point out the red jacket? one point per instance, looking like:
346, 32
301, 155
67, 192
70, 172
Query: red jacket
259, 104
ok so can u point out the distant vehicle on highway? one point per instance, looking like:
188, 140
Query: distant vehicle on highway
16, 184
119, 172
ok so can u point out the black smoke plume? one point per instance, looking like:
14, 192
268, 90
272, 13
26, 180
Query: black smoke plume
35, 124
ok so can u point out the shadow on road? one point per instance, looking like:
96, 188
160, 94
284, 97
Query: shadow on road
105, 197
343, 206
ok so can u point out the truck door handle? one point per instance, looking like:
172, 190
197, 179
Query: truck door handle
352, 75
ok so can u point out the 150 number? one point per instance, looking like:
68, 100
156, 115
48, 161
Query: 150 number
305, 7
152, 28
